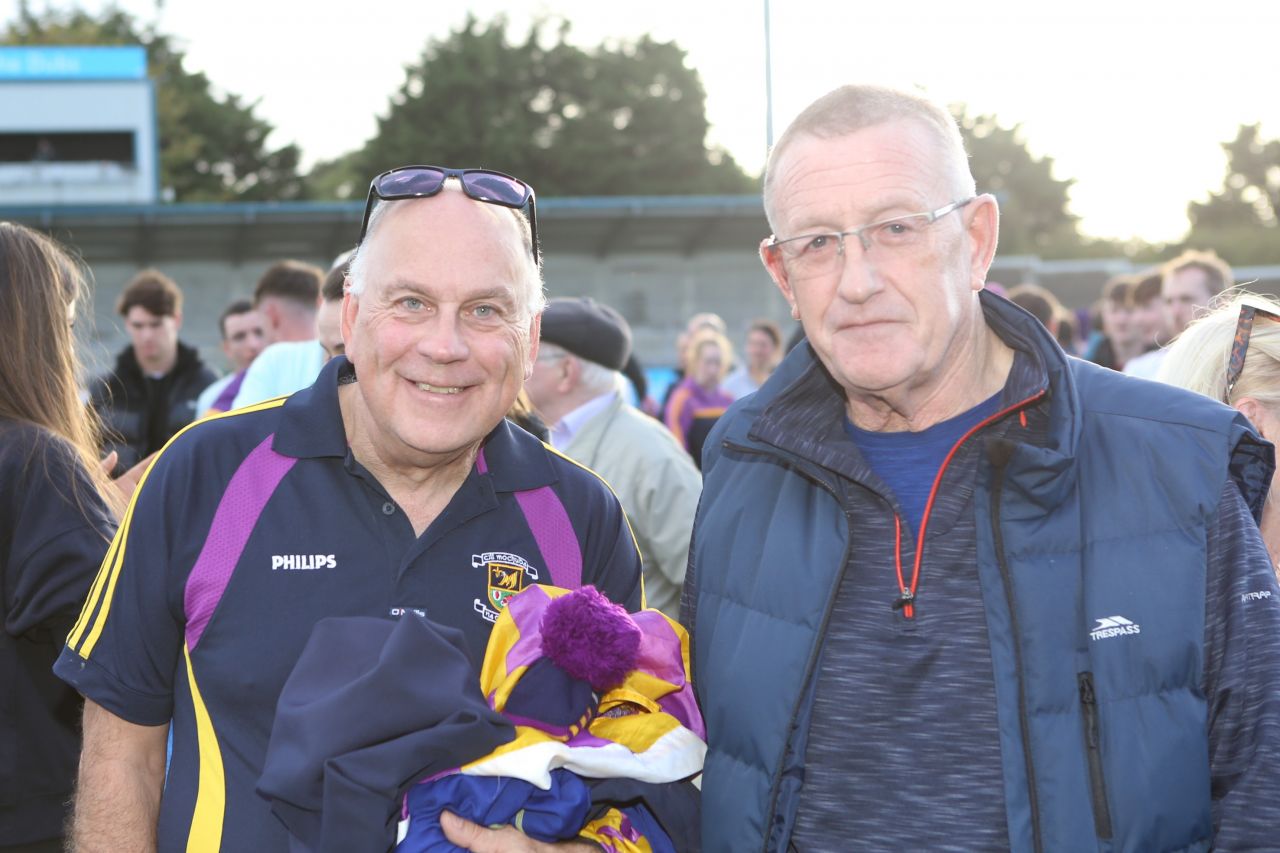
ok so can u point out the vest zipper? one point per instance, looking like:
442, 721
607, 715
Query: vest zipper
1093, 748
812, 663
907, 597
998, 452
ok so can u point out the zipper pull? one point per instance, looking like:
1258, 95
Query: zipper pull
906, 599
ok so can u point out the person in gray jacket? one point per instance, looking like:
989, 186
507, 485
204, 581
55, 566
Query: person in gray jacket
575, 387
950, 589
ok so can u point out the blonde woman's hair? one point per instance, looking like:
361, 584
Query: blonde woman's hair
1197, 360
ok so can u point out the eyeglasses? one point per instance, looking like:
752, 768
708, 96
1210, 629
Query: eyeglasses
819, 255
1240, 346
483, 185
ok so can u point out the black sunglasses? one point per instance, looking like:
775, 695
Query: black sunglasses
483, 185
1240, 346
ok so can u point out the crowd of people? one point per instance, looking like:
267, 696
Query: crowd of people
951, 569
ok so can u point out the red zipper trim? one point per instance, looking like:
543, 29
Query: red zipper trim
908, 610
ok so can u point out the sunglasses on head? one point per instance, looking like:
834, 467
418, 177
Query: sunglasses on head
1240, 346
483, 185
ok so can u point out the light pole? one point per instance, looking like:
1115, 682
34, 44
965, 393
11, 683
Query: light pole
768, 85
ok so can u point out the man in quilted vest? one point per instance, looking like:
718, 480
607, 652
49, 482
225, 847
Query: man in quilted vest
950, 589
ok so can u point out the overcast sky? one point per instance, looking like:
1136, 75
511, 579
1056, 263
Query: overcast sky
1132, 98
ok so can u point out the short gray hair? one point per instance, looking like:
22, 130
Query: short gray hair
536, 297
594, 377
856, 107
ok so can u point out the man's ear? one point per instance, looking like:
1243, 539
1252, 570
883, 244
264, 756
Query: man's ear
350, 307
535, 340
984, 232
772, 260
177, 320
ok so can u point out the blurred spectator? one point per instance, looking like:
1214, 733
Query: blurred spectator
1067, 331
152, 392
1120, 337
55, 526
1188, 285
575, 385
762, 353
698, 401
288, 296
1232, 354
291, 292
698, 322
1148, 309
242, 340
1040, 303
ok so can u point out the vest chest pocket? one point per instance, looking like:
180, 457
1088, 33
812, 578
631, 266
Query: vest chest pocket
1093, 752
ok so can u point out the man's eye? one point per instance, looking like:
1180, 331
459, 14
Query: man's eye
412, 303
820, 242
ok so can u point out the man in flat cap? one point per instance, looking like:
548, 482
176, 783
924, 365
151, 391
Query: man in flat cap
575, 386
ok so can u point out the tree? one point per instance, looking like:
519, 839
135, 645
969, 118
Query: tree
212, 148
617, 119
1034, 206
1242, 220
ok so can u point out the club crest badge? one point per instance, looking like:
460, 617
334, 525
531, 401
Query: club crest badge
507, 574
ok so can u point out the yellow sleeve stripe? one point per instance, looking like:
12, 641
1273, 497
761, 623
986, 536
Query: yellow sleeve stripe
211, 795
109, 572
644, 603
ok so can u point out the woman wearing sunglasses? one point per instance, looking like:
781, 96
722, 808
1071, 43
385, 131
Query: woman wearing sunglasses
1233, 354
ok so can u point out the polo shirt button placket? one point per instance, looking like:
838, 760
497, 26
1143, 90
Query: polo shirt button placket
388, 508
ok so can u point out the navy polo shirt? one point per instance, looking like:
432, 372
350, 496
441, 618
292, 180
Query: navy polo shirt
251, 526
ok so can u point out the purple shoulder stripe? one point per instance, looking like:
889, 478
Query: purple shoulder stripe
554, 534
252, 485
552, 530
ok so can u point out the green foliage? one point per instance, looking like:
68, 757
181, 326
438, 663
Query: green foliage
619, 119
1241, 221
1034, 214
212, 148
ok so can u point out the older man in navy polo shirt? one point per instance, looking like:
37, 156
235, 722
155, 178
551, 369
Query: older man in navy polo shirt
393, 484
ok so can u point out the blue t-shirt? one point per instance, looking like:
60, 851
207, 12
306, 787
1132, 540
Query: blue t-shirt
908, 462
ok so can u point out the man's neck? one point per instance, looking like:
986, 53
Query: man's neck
977, 370
158, 367
421, 484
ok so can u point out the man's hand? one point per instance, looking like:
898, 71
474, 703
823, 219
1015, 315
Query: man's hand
508, 839
126, 482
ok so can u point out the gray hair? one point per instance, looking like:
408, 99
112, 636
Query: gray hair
593, 377
852, 108
535, 299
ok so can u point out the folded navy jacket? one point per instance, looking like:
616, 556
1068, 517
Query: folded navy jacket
371, 707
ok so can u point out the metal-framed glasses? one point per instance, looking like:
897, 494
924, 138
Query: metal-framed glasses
820, 254
483, 185
1240, 345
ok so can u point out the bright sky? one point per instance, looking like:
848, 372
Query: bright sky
1131, 98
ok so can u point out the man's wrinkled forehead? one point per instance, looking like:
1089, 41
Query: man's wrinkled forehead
904, 152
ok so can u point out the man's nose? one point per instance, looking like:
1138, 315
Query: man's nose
859, 276
444, 338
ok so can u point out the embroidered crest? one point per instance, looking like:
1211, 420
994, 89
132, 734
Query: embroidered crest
507, 574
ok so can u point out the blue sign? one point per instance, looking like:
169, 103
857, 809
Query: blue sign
73, 63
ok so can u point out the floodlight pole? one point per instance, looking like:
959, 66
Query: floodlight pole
768, 85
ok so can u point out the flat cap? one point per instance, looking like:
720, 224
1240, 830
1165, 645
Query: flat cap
589, 330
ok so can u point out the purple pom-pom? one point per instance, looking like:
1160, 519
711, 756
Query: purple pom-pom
591, 638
